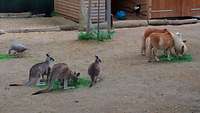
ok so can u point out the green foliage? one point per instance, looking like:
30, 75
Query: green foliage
81, 83
4, 57
55, 13
56, 85
93, 35
174, 58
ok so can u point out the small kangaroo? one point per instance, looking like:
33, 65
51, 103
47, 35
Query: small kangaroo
60, 72
37, 71
94, 70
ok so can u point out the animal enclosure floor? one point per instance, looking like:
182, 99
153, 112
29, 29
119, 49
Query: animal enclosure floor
130, 84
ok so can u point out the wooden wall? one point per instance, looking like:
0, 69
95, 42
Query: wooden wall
70, 9
191, 8
173, 8
164, 8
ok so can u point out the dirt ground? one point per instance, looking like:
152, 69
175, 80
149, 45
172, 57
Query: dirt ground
130, 85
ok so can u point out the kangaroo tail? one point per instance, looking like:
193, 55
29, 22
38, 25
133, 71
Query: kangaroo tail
42, 91
16, 84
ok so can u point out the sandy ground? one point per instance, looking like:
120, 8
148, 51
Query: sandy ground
37, 22
130, 85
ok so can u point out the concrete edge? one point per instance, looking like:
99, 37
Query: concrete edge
26, 30
15, 15
117, 24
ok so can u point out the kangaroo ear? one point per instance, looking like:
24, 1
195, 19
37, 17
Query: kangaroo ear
96, 57
47, 55
184, 41
182, 50
78, 74
100, 60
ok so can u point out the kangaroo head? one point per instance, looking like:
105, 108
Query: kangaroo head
49, 58
75, 76
98, 60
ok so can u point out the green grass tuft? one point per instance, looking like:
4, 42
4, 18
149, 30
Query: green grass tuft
103, 35
54, 13
174, 58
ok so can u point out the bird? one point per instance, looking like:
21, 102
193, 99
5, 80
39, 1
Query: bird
137, 9
94, 70
17, 48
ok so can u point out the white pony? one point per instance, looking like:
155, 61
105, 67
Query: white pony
179, 44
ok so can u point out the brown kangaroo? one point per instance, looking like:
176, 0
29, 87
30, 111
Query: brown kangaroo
148, 32
37, 71
60, 72
94, 70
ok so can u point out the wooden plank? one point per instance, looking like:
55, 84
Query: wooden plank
165, 8
70, 9
195, 8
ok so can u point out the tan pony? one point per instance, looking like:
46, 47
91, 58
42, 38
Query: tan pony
159, 41
148, 32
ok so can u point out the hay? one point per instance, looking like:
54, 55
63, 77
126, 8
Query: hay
174, 58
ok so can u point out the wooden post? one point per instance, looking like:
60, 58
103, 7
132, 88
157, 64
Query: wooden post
98, 18
89, 16
83, 17
108, 14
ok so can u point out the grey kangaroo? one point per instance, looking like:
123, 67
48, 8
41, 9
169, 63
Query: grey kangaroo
60, 72
37, 71
94, 70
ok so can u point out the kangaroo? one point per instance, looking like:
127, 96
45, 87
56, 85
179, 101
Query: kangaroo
163, 41
94, 70
60, 72
37, 71
148, 32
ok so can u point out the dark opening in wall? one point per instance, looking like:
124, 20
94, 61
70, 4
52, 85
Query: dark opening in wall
131, 9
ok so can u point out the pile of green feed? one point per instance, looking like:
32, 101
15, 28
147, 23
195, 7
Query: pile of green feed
174, 58
81, 83
94, 35
4, 57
